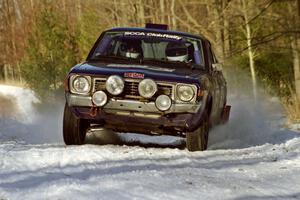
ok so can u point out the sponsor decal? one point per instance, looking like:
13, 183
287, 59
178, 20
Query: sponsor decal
133, 75
149, 34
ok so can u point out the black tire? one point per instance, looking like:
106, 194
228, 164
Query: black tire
74, 128
198, 139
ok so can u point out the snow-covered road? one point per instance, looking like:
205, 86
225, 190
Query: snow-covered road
121, 172
249, 158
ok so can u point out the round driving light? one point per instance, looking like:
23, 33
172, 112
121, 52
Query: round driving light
185, 93
81, 84
99, 98
147, 88
163, 102
114, 85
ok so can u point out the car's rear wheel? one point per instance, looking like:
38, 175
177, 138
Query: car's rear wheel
198, 139
74, 128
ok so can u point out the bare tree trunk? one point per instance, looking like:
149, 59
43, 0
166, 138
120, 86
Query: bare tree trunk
79, 10
156, 18
296, 64
64, 5
295, 46
116, 17
6, 60
10, 72
126, 19
162, 11
5, 73
10, 48
17, 19
17, 11
168, 14
31, 4
174, 23
141, 13
296, 57
298, 8
194, 23
250, 49
226, 36
217, 9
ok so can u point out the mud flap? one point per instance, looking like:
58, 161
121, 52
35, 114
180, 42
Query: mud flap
225, 114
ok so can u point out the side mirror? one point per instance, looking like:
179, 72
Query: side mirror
217, 67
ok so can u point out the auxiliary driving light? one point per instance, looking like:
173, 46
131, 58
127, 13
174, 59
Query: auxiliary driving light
99, 98
115, 85
163, 102
147, 88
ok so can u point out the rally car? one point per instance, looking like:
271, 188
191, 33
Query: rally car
150, 81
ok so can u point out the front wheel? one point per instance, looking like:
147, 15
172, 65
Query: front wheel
74, 128
198, 139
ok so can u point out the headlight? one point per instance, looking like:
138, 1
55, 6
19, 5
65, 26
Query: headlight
147, 88
80, 84
114, 85
185, 92
99, 98
163, 102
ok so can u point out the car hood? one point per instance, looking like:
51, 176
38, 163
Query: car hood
148, 71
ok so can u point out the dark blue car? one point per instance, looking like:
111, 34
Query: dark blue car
149, 81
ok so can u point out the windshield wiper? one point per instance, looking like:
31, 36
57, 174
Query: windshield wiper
156, 60
167, 62
99, 57
113, 58
163, 61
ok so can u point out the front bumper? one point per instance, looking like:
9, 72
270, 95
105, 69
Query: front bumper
139, 117
132, 106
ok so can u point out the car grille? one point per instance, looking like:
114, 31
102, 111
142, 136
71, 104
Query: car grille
131, 89
99, 84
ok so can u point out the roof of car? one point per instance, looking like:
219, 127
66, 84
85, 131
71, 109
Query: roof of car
157, 31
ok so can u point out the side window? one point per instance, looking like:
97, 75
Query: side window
198, 52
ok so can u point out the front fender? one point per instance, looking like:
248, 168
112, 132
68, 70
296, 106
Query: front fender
196, 120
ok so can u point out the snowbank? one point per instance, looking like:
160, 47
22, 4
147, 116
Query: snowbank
22, 122
24, 99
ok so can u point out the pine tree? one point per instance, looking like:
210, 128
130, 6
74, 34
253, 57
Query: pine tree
50, 53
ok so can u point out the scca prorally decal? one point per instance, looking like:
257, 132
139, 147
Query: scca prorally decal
160, 35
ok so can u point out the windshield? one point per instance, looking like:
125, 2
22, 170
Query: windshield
147, 46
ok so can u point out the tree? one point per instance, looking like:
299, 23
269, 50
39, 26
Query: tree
50, 53
245, 6
295, 47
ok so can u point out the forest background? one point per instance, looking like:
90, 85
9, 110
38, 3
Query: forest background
40, 40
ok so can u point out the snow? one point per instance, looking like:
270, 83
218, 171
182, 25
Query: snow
252, 157
295, 127
24, 98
